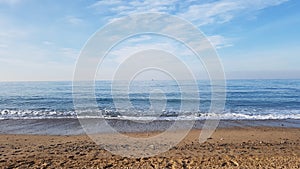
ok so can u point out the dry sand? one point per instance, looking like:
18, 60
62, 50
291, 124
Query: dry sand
227, 148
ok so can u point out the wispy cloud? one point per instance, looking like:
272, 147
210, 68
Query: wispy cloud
128, 7
106, 2
220, 41
50, 38
224, 10
73, 20
201, 12
142, 38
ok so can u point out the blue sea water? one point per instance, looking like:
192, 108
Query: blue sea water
245, 99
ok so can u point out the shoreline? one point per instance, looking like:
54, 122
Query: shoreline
250, 147
74, 127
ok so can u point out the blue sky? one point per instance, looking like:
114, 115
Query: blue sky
40, 40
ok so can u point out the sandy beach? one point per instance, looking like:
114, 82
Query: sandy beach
236, 147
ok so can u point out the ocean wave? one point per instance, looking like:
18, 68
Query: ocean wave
143, 115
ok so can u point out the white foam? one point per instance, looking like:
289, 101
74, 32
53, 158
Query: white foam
226, 115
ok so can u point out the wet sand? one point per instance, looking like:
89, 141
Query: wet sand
72, 126
234, 147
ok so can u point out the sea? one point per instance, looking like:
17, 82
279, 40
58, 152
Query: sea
246, 100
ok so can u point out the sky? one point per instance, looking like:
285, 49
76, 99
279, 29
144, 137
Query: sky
255, 39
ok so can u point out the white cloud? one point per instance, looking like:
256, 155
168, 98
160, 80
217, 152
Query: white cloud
140, 39
120, 55
219, 41
106, 2
125, 8
73, 20
200, 13
224, 10
211, 12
